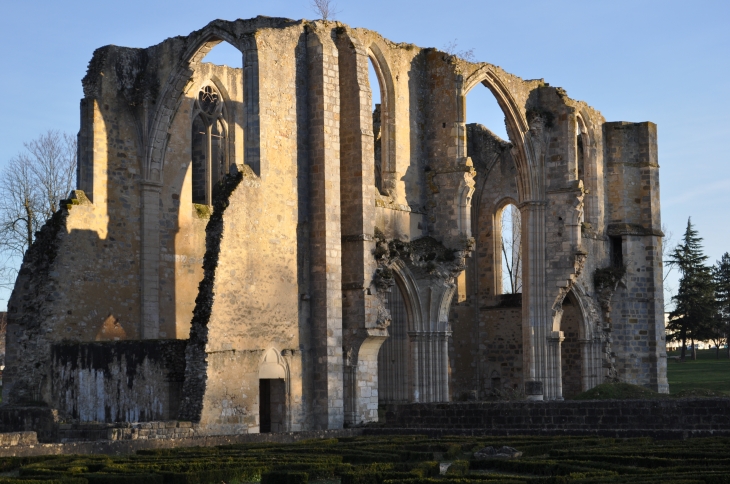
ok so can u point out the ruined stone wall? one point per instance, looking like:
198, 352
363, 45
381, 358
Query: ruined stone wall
122, 381
488, 361
284, 272
633, 212
64, 293
487, 339
182, 235
247, 314
571, 350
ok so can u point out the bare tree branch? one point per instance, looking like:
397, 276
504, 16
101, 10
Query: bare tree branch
668, 246
511, 242
452, 48
326, 9
32, 183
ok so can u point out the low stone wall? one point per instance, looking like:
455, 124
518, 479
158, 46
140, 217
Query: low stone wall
118, 381
171, 429
41, 420
705, 415
121, 447
684, 418
8, 439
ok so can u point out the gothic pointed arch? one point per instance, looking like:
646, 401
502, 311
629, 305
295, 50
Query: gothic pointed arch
210, 149
200, 43
500, 254
387, 118
409, 287
529, 183
273, 365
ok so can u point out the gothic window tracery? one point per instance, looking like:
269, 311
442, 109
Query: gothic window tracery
208, 150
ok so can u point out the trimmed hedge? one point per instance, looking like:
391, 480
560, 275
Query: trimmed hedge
395, 460
67, 480
285, 477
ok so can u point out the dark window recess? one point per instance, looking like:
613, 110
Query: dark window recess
617, 255
272, 405
581, 160
218, 153
200, 180
265, 406
393, 361
378, 149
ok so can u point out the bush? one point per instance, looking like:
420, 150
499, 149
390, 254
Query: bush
102, 478
284, 477
454, 451
458, 468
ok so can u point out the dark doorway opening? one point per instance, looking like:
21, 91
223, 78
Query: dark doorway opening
394, 355
272, 405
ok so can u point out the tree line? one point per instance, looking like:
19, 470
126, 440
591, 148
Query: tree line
702, 303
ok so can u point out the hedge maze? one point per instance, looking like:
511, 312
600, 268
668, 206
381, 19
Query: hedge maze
394, 460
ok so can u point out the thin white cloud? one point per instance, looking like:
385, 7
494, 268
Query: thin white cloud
701, 191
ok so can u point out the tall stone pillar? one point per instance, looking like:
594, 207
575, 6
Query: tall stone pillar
325, 235
363, 331
429, 342
150, 260
536, 320
554, 376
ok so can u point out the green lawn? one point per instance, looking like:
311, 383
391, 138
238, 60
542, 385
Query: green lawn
705, 373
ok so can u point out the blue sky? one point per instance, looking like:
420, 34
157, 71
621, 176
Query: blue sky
663, 61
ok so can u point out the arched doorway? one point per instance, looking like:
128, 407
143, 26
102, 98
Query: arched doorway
571, 351
394, 356
486, 350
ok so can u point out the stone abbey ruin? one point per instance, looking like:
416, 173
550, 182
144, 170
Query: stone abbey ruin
257, 250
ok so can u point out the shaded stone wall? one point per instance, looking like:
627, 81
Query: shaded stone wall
572, 349
633, 193
593, 416
487, 341
123, 381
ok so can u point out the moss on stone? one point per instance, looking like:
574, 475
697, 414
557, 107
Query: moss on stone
202, 211
608, 277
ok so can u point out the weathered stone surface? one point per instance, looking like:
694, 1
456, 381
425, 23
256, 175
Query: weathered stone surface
269, 217
9, 439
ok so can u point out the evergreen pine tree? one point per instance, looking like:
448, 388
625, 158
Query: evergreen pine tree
695, 308
722, 296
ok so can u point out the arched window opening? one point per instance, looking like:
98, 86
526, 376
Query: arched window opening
208, 150
571, 351
218, 151
580, 155
224, 54
511, 249
393, 361
378, 118
581, 142
482, 108
198, 160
